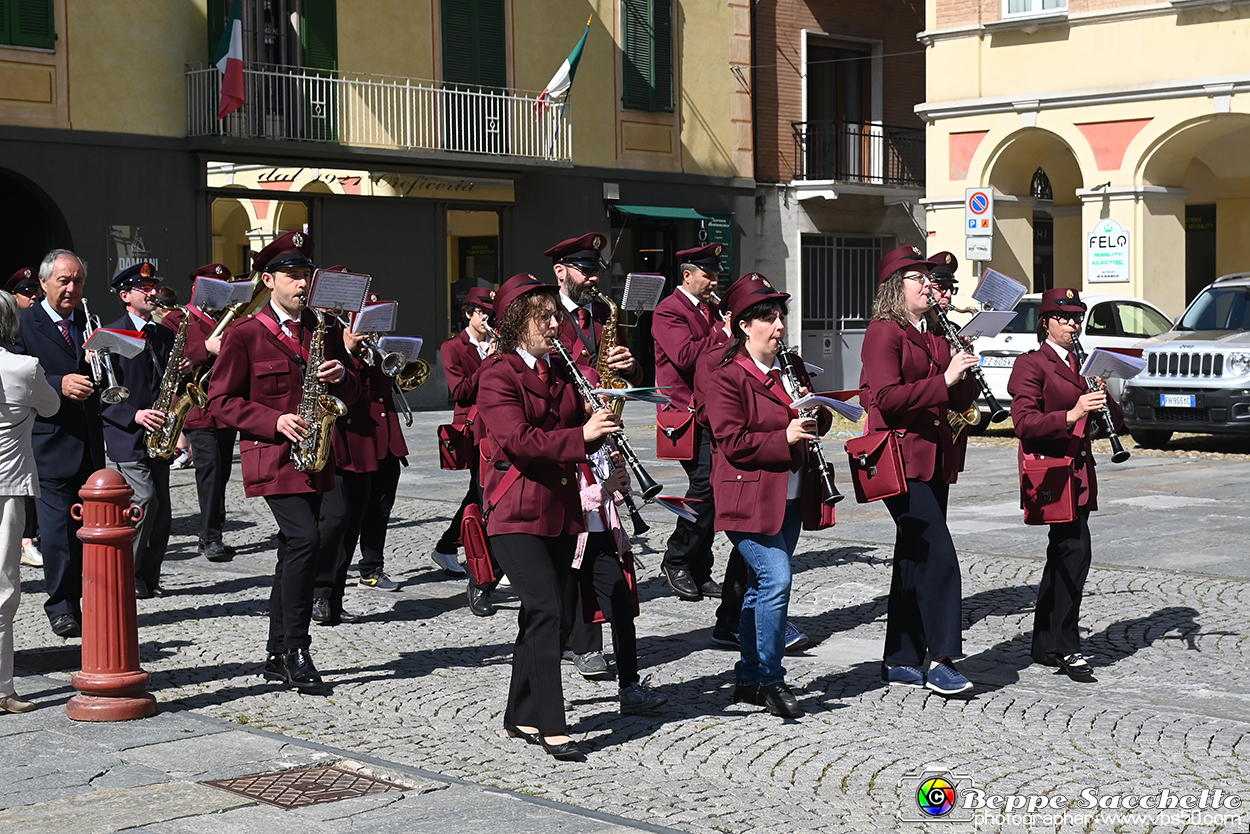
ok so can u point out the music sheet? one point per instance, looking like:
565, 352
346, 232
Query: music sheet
1105, 364
987, 323
850, 411
376, 318
215, 294
127, 343
409, 346
642, 292
999, 292
342, 292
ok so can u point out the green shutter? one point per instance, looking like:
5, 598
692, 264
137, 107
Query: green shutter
216, 25
320, 35
474, 44
31, 23
457, 25
648, 55
5, 28
490, 56
662, 77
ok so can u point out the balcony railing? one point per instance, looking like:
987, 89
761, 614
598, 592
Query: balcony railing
861, 153
378, 111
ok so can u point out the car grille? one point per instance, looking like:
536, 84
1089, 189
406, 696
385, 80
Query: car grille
1190, 365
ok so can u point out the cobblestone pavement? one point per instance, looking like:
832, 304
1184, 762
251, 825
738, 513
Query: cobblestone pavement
421, 682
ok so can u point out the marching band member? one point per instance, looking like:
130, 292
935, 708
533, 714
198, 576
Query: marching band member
212, 444
257, 388
126, 423
759, 474
1052, 408
369, 450
68, 445
535, 423
686, 325
463, 355
911, 380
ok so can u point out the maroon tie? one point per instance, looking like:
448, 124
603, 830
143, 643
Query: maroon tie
544, 373
294, 330
1072, 363
774, 381
583, 319
63, 324
706, 311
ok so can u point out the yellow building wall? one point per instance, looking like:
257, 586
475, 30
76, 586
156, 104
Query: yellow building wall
388, 37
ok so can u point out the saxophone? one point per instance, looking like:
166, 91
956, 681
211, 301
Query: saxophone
164, 441
608, 377
318, 408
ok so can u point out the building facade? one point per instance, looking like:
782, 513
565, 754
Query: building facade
407, 138
1113, 133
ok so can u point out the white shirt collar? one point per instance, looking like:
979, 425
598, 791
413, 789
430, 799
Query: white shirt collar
569, 305
53, 313
530, 359
1062, 351
137, 322
282, 315
693, 300
922, 325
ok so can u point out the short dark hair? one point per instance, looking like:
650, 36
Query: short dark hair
758, 310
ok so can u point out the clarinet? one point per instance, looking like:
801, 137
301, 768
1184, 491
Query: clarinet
1118, 453
646, 484
997, 412
797, 381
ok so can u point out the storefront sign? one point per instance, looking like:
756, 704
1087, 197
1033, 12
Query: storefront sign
719, 228
1106, 251
362, 183
129, 245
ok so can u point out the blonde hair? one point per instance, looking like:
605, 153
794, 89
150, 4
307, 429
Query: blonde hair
891, 305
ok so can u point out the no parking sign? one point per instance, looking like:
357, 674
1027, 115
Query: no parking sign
978, 211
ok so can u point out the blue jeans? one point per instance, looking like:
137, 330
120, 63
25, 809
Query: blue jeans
761, 631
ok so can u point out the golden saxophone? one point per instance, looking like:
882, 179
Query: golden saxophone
318, 408
163, 442
960, 420
608, 378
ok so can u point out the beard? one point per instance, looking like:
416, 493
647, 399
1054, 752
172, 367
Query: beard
580, 295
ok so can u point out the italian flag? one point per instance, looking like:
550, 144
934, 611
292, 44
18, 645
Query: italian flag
229, 59
563, 79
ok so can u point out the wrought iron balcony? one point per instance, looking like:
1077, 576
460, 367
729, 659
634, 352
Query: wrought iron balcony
379, 112
856, 152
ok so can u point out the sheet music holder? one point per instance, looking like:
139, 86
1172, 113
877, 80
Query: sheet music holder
987, 323
338, 291
642, 292
409, 346
834, 401
376, 318
125, 343
1106, 364
998, 292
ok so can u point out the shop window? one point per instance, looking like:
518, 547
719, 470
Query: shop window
647, 58
839, 276
1024, 7
27, 23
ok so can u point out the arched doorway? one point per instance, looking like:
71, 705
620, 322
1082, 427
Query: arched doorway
31, 222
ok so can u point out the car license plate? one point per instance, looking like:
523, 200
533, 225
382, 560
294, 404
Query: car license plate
1177, 400
997, 361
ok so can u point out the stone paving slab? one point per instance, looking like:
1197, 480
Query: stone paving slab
420, 683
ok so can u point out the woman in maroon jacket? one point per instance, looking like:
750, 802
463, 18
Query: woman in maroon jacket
758, 477
535, 425
1052, 409
910, 382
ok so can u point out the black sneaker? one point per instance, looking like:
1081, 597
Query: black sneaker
378, 581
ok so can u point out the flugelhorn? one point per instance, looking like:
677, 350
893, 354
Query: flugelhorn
102, 373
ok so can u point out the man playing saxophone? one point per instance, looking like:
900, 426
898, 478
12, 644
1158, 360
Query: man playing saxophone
127, 423
577, 263
258, 387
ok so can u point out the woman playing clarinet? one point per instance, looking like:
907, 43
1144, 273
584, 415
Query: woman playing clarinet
758, 475
537, 435
911, 380
1053, 410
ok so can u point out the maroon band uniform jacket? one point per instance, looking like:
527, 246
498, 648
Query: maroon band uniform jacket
461, 365
197, 354
569, 331
682, 335
369, 431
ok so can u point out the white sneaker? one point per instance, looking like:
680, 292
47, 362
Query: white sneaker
448, 562
31, 556
504, 582
183, 461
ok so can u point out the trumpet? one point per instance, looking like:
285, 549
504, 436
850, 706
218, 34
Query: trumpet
1118, 453
102, 373
392, 363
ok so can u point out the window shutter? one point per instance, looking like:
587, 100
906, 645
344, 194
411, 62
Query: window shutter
457, 42
474, 43
216, 25
662, 77
5, 28
321, 39
491, 49
636, 86
31, 23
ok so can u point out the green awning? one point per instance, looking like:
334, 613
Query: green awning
668, 212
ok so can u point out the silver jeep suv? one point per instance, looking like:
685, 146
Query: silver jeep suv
1197, 376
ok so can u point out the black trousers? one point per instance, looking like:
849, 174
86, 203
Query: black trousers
1055, 620
299, 542
539, 569
371, 531
449, 542
342, 508
601, 564
690, 545
924, 616
213, 453
733, 591
59, 542
31, 530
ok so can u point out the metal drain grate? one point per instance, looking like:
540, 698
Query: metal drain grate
301, 788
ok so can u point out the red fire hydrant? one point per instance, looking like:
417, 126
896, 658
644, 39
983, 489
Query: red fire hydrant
112, 687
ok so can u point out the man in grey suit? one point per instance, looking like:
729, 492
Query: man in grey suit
68, 446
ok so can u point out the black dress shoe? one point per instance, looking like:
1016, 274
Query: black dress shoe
711, 588
749, 694
157, 591
779, 700
1076, 667
66, 625
275, 669
301, 673
683, 584
142, 591
514, 731
217, 552
567, 751
479, 601
345, 616
321, 611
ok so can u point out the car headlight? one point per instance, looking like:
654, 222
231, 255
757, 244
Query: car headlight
1238, 363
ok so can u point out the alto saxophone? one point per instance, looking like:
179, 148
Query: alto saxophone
163, 442
608, 378
318, 408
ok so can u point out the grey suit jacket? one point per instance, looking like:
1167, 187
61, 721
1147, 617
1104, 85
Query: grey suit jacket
24, 392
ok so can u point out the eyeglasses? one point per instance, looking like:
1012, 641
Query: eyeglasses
1075, 318
919, 277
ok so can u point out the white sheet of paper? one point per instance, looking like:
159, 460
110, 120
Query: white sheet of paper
812, 370
642, 290
682, 510
987, 323
642, 395
1105, 364
998, 291
850, 411
409, 346
115, 342
215, 294
342, 292
376, 318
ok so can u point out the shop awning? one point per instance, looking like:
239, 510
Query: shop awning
667, 212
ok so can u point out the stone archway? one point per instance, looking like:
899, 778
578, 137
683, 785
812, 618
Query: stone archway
1010, 168
32, 224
